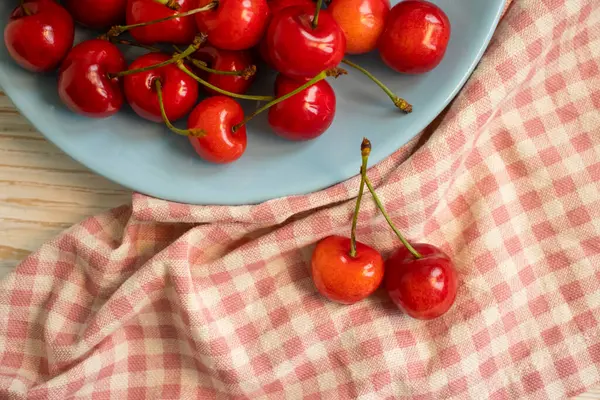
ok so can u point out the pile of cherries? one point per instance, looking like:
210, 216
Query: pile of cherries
419, 278
213, 44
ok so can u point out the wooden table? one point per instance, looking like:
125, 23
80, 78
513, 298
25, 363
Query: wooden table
43, 191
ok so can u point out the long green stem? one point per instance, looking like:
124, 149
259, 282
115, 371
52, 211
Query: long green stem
335, 72
163, 113
247, 73
182, 67
405, 242
398, 101
119, 29
178, 57
315, 21
125, 42
361, 190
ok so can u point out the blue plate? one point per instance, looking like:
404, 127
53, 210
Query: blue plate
147, 158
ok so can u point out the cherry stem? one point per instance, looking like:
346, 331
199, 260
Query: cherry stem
361, 191
335, 72
217, 89
172, 4
190, 50
246, 73
398, 101
365, 152
315, 21
119, 29
163, 113
116, 40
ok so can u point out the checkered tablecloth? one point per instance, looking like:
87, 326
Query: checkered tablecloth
169, 301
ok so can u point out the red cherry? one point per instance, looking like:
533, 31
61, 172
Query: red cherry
176, 31
341, 277
217, 116
424, 288
305, 115
39, 34
180, 92
415, 37
234, 24
362, 22
225, 60
83, 82
298, 50
97, 14
276, 6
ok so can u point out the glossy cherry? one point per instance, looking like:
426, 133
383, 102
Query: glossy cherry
176, 31
180, 92
83, 82
424, 288
216, 116
341, 277
97, 14
415, 37
362, 22
275, 7
234, 24
300, 51
39, 34
305, 115
225, 60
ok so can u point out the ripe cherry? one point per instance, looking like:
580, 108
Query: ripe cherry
234, 24
216, 117
420, 279
344, 270
226, 61
180, 30
97, 14
84, 85
362, 22
39, 34
300, 50
424, 288
275, 7
305, 115
180, 92
415, 37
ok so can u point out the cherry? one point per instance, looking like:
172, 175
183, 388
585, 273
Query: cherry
344, 270
341, 277
234, 24
97, 14
229, 69
216, 117
307, 114
179, 90
421, 280
299, 49
362, 22
179, 30
39, 34
275, 7
424, 288
415, 37
84, 84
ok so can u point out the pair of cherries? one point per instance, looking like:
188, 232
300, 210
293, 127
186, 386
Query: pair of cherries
420, 279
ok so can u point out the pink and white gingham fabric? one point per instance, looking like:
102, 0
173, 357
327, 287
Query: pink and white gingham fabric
169, 301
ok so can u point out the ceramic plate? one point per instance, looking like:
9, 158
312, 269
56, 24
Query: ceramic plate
147, 158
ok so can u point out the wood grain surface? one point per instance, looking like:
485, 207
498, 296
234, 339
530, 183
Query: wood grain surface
43, 191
